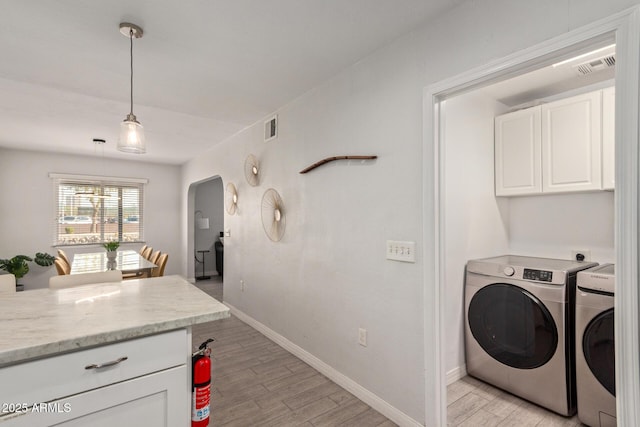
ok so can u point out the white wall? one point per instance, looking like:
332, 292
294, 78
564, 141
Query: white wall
27, 211
476, 223
552, 226
328, 276
209, 199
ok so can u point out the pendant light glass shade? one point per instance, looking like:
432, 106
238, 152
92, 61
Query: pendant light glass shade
131, 138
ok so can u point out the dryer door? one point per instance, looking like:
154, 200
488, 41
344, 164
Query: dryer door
599, 349
512, 326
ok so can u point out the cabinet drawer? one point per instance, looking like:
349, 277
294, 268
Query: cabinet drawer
66, 374
159, 400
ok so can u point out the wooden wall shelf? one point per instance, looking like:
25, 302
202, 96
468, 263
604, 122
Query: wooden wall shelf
331, 159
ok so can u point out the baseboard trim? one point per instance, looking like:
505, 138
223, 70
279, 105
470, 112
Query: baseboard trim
456, 373
371, 399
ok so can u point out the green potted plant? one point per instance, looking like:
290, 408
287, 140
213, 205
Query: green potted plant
19, 264
111, 248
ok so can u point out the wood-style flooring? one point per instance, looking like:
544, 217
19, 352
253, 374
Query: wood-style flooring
255, 382
258, 383
472, 403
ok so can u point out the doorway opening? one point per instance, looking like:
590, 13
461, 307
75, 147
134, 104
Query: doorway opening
499, 225
208, 227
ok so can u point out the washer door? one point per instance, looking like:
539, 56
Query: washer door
599, 349
512, 326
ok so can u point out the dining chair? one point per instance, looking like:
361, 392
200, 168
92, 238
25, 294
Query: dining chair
7, 283
62, 267
71, 280
147, 252
142, 249
66, 265
161, 264
63, 256
154, 257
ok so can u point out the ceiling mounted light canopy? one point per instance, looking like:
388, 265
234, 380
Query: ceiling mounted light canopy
96, 192
131, 132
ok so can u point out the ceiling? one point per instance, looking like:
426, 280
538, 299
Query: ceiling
561, 77
204, 70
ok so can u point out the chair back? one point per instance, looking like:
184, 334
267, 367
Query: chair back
147, 252
63, 256
7, 283
154, 257
161, 264
142, 249
71, 280
62, 267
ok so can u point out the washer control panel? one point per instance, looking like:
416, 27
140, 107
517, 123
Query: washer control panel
538, 275
509, 271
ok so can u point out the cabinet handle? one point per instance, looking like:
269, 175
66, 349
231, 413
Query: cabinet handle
104, 365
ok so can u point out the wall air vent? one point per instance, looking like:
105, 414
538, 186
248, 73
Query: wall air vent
271, 128
595, 65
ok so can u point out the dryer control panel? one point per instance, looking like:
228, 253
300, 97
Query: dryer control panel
538, 275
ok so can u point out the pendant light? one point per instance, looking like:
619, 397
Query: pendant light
97, 142
131, 132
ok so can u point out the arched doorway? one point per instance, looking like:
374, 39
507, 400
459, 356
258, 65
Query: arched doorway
208, 225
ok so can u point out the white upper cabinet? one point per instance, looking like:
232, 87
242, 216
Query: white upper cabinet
571, 144
517, 153
608, 138
556, 147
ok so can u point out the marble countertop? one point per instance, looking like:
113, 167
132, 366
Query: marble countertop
45, 322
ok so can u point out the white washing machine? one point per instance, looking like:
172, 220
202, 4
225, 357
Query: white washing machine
520, 327
595, 353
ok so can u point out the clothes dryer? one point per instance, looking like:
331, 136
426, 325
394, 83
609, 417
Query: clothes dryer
520, 327
595, 353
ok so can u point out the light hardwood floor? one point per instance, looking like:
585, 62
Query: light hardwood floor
256, 382
473, 403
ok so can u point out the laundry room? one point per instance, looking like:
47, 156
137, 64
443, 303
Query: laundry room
532, 200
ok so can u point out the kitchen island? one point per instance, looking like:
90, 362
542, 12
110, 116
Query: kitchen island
103, 354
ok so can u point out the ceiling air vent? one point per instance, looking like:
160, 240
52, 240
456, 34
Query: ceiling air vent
271, 128
595, 65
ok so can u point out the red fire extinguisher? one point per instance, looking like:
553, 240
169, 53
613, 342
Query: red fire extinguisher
201, 385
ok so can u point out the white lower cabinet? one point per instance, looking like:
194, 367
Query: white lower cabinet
144, 381
152, 400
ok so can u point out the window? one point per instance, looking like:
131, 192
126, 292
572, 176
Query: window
92, 210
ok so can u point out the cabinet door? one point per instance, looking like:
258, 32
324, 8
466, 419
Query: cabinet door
608, 138
159, 399
571, 144
517, 153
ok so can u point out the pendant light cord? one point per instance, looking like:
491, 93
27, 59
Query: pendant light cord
131, 57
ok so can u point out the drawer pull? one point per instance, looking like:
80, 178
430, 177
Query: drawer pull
106, 364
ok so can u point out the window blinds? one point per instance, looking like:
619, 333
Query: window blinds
92, 210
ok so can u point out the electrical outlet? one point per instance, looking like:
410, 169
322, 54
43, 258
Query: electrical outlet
401, 251
241, 285
362, 337
227, 233
586, 253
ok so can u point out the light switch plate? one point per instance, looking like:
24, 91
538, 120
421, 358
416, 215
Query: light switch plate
362, 337
401, 251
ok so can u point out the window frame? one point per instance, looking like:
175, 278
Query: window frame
120, 183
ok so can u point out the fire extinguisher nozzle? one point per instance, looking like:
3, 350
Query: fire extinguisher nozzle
205, 344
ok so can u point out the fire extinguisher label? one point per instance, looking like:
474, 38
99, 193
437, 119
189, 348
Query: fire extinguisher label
200, 399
